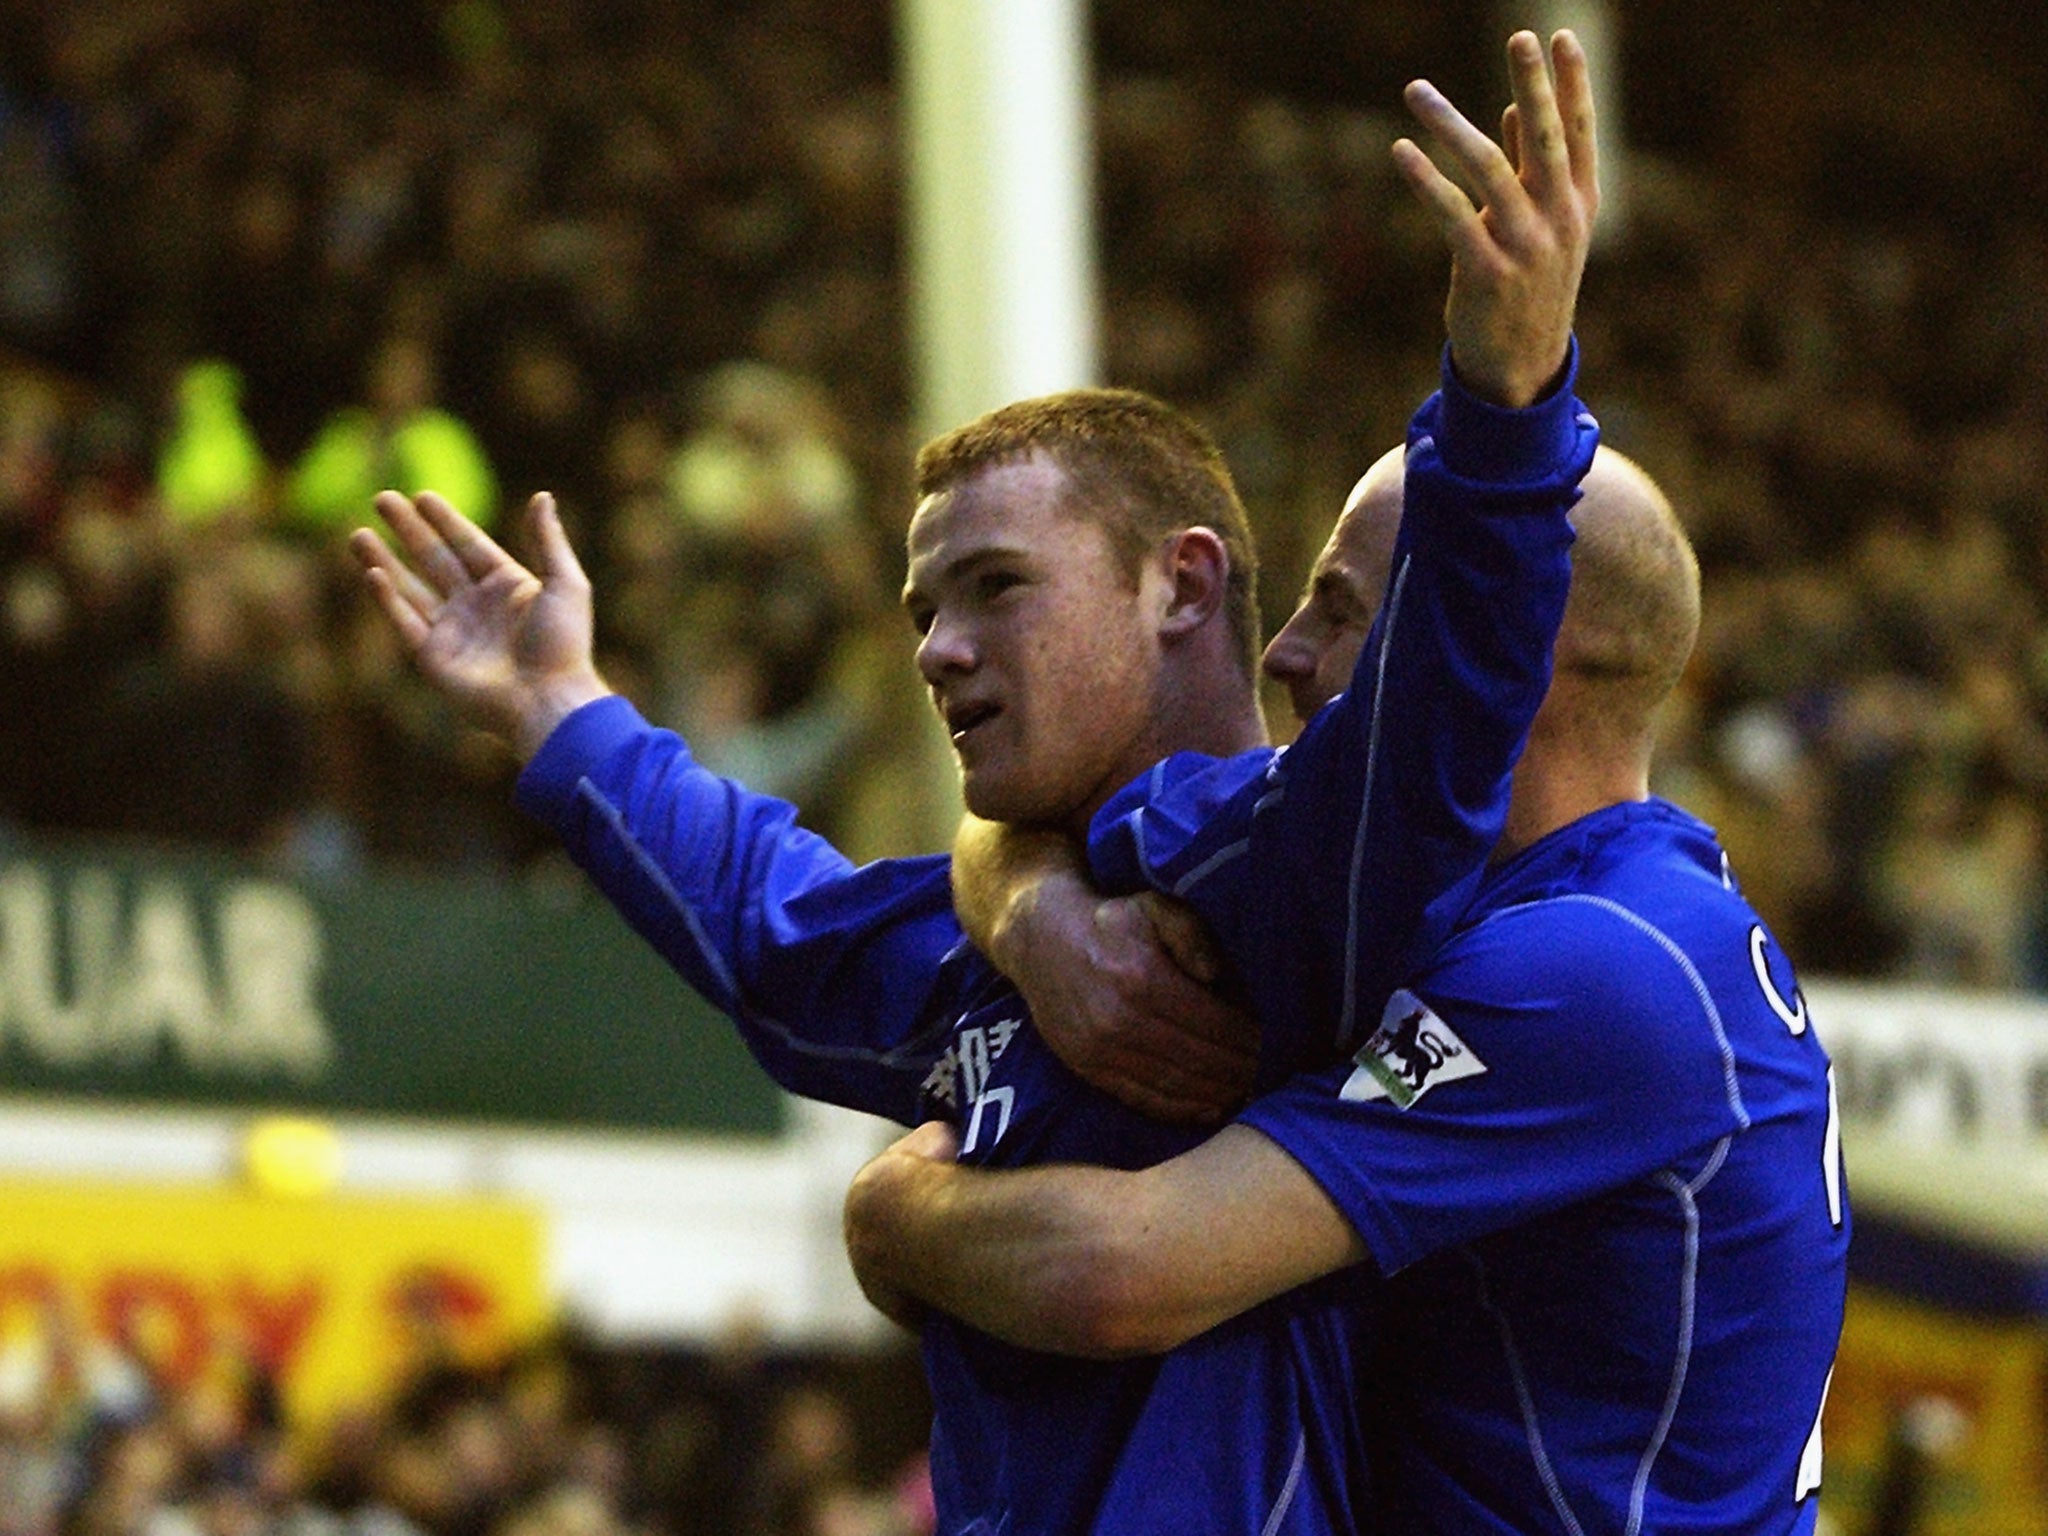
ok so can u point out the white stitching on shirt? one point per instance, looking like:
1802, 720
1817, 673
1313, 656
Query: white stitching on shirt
1531, 1430
651, 868
1208, 867
1688, 1286
1699, 987
1288, 1490
914, 1054
1223, 855
1348, 1029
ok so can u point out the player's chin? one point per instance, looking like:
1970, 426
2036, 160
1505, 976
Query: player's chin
1310, 695
994, 795
987, 796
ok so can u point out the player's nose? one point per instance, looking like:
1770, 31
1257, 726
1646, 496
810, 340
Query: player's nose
1290, 656
946, 648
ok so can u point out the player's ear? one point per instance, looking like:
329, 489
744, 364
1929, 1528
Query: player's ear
1196, 565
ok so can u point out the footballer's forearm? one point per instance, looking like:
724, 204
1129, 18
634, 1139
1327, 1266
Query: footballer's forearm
1095, 1261
1000, 875
1023, 1255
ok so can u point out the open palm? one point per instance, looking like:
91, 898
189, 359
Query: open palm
1516, 256
511, 649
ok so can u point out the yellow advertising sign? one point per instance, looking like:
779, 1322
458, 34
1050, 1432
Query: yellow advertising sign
332, 1297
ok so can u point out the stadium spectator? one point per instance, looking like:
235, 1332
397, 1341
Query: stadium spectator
402, 437
211, 465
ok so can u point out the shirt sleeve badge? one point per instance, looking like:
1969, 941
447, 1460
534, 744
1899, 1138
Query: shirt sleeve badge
1410, 1053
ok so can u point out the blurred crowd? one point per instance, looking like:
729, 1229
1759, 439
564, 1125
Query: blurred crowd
257, 258
561, 1439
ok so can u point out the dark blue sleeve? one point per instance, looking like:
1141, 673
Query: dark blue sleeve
1340, 868
829, 970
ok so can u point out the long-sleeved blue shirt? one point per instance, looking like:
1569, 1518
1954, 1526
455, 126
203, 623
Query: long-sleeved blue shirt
1590, 1141
856, 985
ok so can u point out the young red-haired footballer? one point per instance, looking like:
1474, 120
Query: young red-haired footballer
1577, 1184
1084, 608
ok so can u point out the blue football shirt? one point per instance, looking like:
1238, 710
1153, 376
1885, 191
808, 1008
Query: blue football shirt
1594, 1145
856, 986
1593, 1148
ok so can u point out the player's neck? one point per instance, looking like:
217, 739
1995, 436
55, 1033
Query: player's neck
1217, 717
1212, 713
1206, 699
1555, 789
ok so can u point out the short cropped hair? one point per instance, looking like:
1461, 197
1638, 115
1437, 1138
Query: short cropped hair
1634, 610
1136, 468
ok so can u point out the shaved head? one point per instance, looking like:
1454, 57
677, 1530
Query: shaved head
1629, 624
1374, 509
1634, 609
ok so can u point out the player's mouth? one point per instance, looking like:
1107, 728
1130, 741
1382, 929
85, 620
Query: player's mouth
963, 720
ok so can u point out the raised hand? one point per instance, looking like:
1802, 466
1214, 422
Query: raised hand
1516, 259
512, 650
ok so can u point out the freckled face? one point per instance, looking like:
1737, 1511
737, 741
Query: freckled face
1041, 656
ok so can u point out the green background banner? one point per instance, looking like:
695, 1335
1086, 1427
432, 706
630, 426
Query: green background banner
145, 976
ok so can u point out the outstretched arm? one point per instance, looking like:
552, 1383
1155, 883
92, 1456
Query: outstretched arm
511, 649
1092, 1261
827, 970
